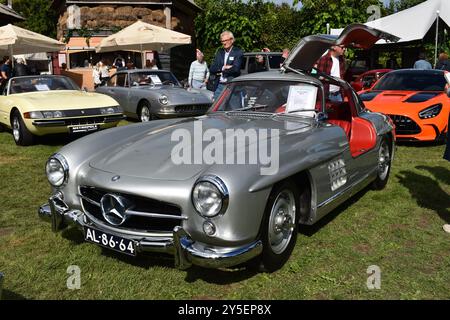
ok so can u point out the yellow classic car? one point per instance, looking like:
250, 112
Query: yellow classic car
47, 104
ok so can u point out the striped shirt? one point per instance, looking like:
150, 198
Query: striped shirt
198, 71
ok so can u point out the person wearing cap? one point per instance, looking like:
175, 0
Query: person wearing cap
333, 64
198, 72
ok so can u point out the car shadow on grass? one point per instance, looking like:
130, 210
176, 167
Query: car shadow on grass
60, 139
145, 261
73, 234
10, 295
426, 191
223, 276
419, 144
194, 273
154, 259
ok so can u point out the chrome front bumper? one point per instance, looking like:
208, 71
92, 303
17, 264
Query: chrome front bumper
186, 251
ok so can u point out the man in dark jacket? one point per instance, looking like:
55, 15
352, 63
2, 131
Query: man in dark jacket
226, 64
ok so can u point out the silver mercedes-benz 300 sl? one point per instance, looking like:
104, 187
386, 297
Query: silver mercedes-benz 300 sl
233, 185
147, 94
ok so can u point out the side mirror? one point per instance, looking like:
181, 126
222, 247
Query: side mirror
321, 116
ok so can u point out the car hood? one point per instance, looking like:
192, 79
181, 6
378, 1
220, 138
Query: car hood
309, 49
65, 100
148, 155
401, 101
179, 94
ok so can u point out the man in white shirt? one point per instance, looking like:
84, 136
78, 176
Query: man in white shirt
198, 72
333, 64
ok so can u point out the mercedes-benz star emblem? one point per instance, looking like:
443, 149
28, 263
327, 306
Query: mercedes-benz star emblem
114, 208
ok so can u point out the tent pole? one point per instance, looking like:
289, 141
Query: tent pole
436, 42
142, 57
11, 55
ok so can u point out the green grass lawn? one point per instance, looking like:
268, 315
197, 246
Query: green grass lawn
398, 229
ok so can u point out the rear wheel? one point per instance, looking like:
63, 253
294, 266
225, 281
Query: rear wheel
21, 135
280, 226
384, 164
144, 112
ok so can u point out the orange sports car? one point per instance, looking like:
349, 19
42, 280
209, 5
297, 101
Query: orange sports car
417, 101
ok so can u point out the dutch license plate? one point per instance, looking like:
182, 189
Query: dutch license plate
83, 128
110, 241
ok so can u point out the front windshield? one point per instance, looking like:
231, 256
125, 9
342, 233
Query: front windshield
270, 96
412, 81
153, 78
41, 83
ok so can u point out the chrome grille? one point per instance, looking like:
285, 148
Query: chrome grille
147, 215
91, 120
192, 108
405, 125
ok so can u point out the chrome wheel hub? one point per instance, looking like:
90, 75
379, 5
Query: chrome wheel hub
281, 221
145, 114
384, 160
16, 129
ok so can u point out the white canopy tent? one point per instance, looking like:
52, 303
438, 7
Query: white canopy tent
142, 36
16, 40
413, 23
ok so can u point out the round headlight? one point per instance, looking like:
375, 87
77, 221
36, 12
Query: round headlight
164, 99
210, 196
57, 170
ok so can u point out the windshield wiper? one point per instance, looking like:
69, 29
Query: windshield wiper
254, 107
302, 110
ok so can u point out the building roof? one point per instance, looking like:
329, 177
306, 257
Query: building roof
125, 2
8, 15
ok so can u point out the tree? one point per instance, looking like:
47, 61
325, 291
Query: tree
338, 13
39, 16
255, 24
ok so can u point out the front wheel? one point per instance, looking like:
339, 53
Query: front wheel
21, 135
280, 226
384, 164
144, 112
